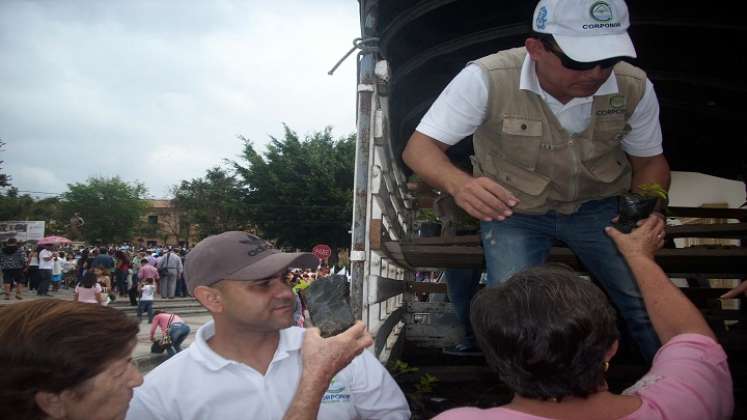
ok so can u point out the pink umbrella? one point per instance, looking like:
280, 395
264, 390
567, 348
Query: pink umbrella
54, 240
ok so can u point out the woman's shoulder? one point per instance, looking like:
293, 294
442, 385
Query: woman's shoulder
474, 413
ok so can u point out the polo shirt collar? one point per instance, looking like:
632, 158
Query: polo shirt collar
201, 352
528, 81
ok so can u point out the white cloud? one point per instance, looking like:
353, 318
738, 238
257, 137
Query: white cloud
158, 91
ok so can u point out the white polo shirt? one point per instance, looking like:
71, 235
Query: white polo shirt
43, 263
199, 384
462, 108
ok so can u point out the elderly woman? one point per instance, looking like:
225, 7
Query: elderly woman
68, 360
552, 335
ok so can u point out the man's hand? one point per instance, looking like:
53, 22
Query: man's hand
485, 199
324, 357
644, 241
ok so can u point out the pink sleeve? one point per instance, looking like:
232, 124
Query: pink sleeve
462, 413
689, 379
156, 322
140, 273
98, 288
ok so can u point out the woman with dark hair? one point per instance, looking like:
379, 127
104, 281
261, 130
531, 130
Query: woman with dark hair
89, 290
63, 360
13, 262
551, 336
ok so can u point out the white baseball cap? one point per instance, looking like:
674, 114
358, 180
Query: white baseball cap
586, 30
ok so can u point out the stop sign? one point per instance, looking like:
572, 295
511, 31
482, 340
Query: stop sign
322, 251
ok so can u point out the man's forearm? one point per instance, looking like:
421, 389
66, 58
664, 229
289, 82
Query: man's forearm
306, 401
427, 158
651, 170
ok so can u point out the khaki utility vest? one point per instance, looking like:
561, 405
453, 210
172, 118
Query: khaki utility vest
523, 147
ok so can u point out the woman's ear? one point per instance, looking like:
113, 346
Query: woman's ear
51, 404
612, 351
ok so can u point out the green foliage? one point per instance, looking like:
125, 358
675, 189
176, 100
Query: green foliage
426, 384
653, 190
300, 192
4, 178
25, 207
111, 208
399, 368
214, 203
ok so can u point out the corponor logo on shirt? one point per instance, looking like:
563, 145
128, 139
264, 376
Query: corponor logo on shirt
336, 393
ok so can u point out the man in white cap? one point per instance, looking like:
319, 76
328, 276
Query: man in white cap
561, 127
249, 362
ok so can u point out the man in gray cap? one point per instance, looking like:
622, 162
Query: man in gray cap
560, 128
249, 361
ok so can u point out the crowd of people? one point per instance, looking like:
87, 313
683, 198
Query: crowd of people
547, 168
118, 271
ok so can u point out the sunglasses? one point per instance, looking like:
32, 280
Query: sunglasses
572, 64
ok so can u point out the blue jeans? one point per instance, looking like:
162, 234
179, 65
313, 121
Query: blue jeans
178, 332
523, 241
461, 287
145, 306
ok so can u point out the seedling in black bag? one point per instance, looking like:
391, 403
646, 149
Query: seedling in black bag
633, 207
328, 302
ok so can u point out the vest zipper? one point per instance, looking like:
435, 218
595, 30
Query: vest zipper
574, 168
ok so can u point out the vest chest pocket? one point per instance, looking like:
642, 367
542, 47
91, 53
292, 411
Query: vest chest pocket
608, 167
608, 135
520, 141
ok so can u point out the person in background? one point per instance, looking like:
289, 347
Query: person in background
32, 270
13, 262
551, 336
93, 375
57, 270
13, 255
121, 269
172, 325
170, 267
46, 264
89, 290
147, 294
133, 279
103, 261
106, 284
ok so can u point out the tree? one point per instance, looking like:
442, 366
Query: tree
4, 178
214, 203
300, 192
111, 208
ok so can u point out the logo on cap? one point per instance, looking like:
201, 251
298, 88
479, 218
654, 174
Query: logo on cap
541, 21
601, 11
256, 245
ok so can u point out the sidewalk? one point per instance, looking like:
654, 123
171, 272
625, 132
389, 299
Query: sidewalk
142, 355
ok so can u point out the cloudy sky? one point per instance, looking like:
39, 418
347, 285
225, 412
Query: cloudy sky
158, 91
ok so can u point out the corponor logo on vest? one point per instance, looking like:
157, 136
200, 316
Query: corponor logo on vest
617, 101
336, 393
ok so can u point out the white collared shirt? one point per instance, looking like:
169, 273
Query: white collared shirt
462, 108
199, 384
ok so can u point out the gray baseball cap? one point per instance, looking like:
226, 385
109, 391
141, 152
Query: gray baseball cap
239, 255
